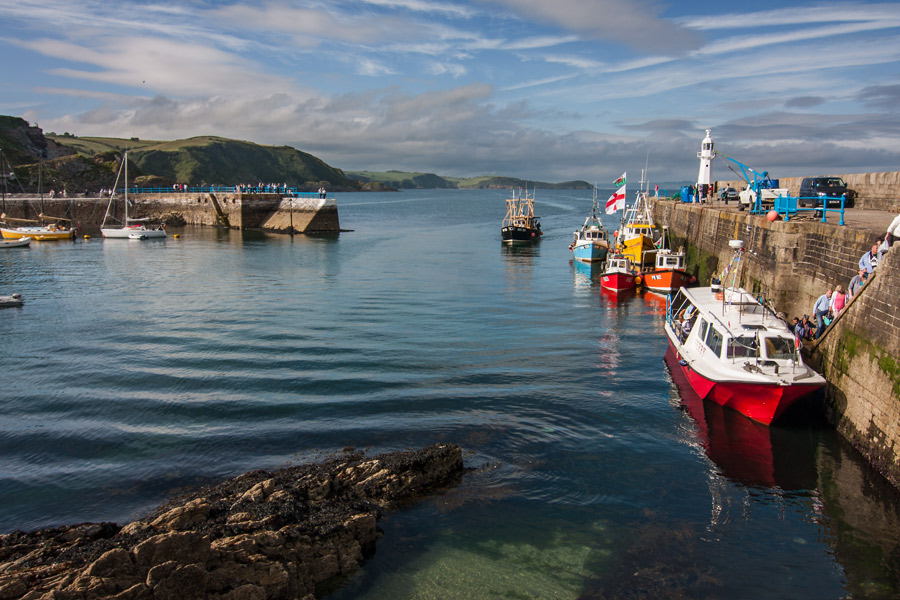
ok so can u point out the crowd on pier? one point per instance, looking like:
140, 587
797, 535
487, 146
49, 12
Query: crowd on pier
830, 304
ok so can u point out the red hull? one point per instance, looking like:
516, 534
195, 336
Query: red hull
617, 282
666, 280
763, 403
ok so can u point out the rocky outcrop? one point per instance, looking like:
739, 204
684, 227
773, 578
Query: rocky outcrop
281, 534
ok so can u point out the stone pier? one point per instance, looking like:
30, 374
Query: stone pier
233, 209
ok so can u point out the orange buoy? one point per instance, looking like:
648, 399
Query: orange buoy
771, 215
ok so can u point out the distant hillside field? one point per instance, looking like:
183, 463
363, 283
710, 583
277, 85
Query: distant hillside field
412, 180
88, 164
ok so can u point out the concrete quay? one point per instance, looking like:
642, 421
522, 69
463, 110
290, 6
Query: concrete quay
229, 208
792, 263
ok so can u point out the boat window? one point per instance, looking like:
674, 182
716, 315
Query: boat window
742, 347
714, 341
703, 325
779, 347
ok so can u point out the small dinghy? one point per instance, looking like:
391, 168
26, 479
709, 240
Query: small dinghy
14, 300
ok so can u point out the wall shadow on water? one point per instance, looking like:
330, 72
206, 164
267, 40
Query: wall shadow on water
859, 514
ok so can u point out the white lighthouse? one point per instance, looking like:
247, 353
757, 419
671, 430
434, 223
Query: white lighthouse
706, 156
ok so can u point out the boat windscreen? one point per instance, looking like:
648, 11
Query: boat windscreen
742, 347
779, 347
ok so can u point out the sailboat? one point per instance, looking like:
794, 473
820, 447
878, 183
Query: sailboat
21, 230
131, 228
591, 242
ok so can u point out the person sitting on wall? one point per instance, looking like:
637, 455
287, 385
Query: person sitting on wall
820, 309
869, 260
808, 330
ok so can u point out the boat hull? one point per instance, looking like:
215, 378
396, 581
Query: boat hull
590, 252
665, 281
519, 234
618, 282
133, 233
41, 234
762, 402
640, 249
15, 243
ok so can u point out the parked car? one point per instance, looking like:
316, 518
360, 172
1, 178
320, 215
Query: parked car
729, 193
813, 189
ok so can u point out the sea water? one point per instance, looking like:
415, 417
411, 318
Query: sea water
140, 369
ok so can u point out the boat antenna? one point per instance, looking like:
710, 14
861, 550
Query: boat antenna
647, 170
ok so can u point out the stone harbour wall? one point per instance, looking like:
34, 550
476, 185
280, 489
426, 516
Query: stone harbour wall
860, 357
792, 263
221, 209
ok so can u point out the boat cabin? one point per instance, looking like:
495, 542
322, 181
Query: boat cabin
621, 264
732, 327
667, 261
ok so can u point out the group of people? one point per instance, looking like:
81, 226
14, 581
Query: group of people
830, 304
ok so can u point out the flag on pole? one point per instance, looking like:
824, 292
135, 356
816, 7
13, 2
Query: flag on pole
620, 180
616, 201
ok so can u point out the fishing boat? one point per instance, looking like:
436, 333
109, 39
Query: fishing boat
36, 230
520, 224
635, 238
735, 351
669, 274
16, 243
130, 228
591, 243
619, 275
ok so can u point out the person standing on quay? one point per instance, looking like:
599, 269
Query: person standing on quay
893, 232
821, 309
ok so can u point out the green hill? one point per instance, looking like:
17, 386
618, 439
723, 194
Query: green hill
413, 180
210, 160
66, 161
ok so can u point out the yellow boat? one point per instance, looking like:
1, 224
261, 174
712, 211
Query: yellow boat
40, 233
635, 238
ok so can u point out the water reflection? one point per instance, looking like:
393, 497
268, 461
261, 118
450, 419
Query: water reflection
857, 509
744, 450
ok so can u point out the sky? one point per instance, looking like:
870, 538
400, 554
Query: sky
547, 90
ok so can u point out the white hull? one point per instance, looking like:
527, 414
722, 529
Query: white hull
131, 232
15, 243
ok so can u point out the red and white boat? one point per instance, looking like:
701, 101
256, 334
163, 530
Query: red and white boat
619, 275
736, 352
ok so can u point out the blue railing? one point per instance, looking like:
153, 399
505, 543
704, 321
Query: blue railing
228, 189
789, 205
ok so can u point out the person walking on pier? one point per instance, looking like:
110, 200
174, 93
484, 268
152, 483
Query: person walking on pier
893, 232
857, 282
821, 309
869, 260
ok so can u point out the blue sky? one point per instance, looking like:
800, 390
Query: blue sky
539, 89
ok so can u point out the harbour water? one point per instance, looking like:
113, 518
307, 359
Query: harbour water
138, 369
